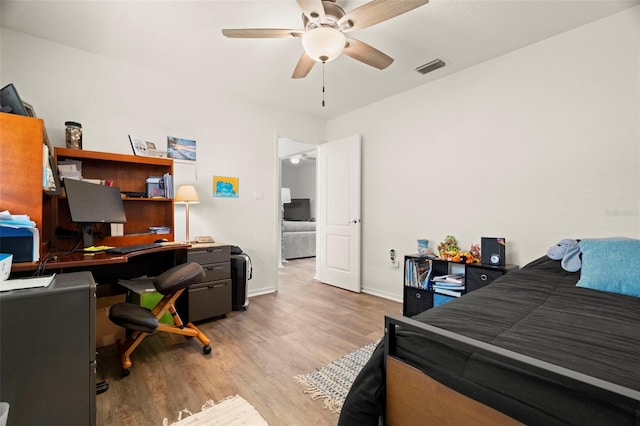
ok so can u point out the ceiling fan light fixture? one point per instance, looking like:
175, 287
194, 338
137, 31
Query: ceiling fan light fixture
294, 160
323, 44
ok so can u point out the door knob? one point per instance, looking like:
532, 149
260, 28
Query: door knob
355, 221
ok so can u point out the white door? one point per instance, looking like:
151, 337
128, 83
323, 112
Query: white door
338, 215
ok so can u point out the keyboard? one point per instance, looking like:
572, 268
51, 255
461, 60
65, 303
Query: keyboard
132, 248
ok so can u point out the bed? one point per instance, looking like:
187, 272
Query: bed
538, 346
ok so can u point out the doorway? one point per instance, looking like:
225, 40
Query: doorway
298, 195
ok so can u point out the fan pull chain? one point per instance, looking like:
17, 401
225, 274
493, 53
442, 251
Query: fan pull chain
322, 84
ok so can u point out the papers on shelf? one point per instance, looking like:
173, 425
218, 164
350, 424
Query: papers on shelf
16, 220
71, 169
22, 283
96, 249
449, 278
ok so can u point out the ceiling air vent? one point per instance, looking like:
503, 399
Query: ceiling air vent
430, 66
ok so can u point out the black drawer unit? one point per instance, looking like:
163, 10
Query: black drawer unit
209, 299
217, 271
208, 253
212, 297
416, 300
478, 275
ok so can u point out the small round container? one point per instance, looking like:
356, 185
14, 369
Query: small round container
73, 132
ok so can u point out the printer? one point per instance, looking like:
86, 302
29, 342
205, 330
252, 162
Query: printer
22, 243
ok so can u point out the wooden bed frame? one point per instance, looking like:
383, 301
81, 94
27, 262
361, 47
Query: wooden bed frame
414, 398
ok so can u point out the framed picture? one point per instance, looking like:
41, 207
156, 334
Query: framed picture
181, 149
226, 187
139, 146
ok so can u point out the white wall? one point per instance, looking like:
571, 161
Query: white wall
535, 146
113, 99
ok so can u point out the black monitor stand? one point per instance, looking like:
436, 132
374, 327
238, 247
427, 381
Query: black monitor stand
87, 234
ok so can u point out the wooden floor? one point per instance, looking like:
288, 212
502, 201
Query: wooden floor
256, 353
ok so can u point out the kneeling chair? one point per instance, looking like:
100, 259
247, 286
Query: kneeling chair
143, 321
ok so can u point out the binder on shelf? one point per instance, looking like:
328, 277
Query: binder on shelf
417, 272
168, 185
155, 187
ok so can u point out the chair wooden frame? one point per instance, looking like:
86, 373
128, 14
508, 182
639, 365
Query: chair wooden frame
166, 304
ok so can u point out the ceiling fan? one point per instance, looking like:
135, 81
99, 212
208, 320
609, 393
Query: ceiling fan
325, 25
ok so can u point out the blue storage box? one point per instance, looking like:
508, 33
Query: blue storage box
439, 299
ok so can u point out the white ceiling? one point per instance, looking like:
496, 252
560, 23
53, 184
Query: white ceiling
186, 35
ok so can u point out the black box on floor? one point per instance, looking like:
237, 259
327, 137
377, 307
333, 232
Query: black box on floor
241, 272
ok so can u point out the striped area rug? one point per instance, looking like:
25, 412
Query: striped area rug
333, 381
231, 411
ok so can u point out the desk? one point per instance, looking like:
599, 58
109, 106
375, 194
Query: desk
108, 268
47, 355
86, 261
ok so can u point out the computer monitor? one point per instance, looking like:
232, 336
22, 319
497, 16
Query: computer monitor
10, 101
298, 209
90, 203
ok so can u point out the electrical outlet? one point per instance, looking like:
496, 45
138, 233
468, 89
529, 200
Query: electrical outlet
394, 261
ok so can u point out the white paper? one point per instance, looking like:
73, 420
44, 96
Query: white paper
21, 283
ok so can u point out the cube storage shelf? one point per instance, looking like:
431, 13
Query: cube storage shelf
418, 290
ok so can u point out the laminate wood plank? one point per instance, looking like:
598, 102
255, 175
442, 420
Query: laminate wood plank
256, 354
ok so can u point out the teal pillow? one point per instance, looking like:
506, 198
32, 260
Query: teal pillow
611, 265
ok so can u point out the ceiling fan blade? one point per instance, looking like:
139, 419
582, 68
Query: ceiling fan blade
305, 63
364, 53
261, 33
312, 9
375, 12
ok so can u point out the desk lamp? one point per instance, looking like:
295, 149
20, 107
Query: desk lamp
285, 195
186, 195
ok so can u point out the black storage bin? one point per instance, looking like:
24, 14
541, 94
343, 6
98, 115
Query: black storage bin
416, 300
478, 276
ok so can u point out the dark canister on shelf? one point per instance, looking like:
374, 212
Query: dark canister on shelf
73, 133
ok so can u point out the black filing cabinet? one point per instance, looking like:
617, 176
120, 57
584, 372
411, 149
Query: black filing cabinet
48, 352
212, 297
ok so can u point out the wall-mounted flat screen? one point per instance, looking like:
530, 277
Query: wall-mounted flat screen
297, 209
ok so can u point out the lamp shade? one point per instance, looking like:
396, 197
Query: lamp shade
285, 195
187, 194
323, 44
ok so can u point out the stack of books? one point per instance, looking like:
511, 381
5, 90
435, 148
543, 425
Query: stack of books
450, 285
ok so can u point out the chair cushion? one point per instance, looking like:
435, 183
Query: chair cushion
178, 277
133, 317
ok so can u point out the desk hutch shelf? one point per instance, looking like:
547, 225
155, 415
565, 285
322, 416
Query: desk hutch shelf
129, 173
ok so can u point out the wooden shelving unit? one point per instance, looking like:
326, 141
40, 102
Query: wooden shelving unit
21, 144
129, 173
